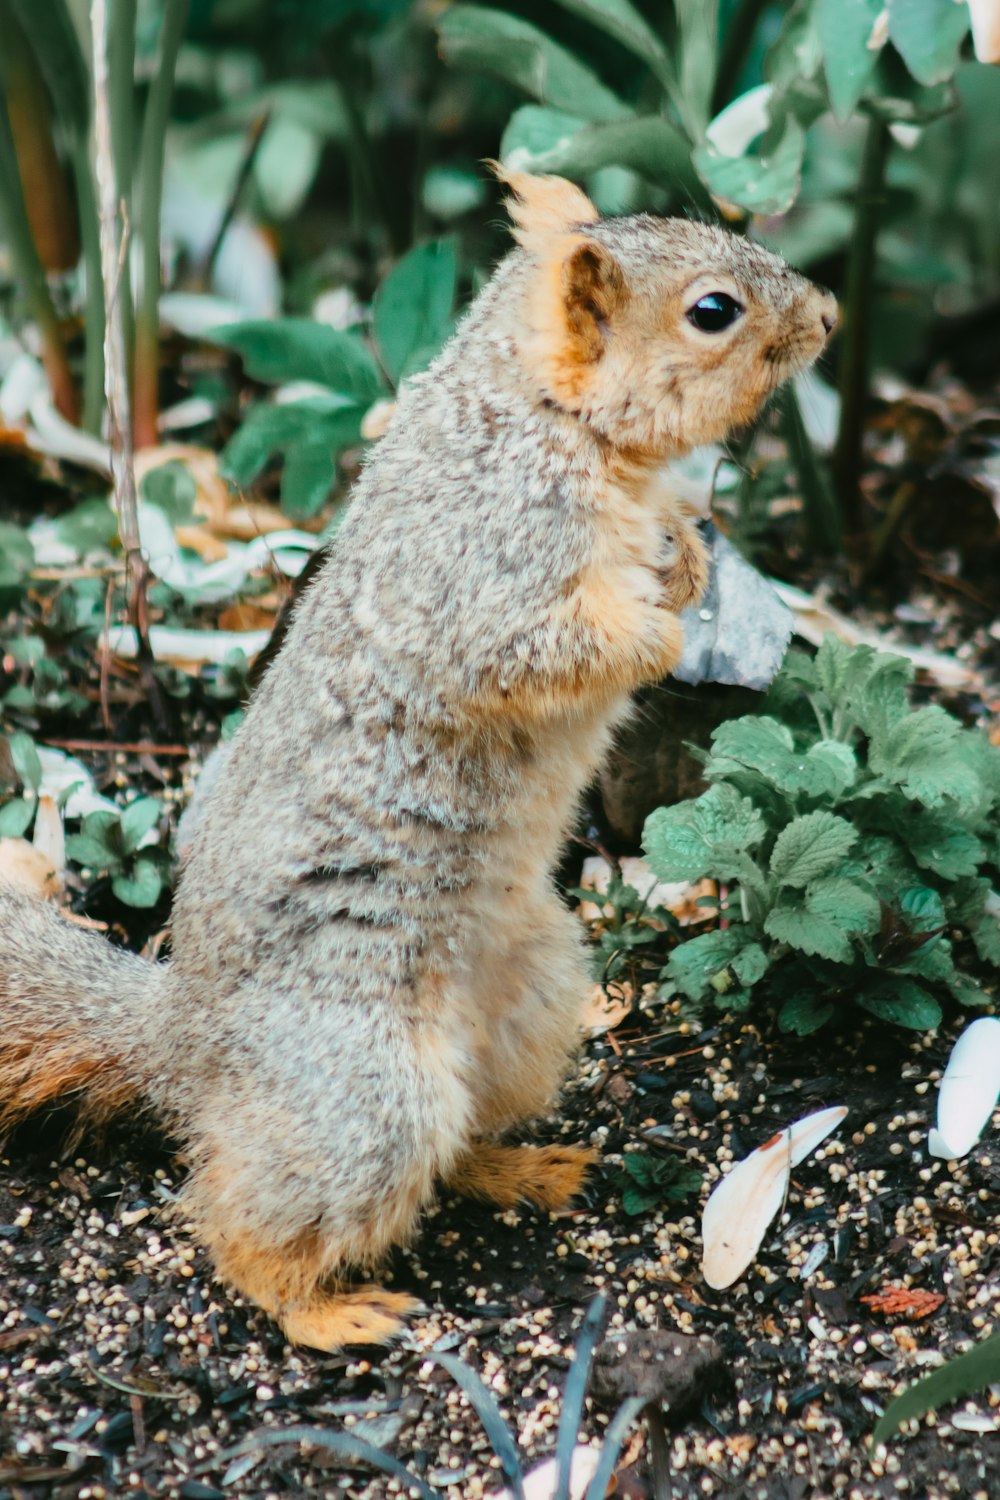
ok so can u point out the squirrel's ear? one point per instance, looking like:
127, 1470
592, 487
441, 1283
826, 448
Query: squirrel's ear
577, 297
544, 205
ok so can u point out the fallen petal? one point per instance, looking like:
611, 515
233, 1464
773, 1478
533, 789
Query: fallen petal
540, 1483
737, 1215
969, 1090
49, 836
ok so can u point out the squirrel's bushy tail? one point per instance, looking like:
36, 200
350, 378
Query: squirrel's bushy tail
75, 1014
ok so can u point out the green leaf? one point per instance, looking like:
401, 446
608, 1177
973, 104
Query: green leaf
923, 908
141, 885
25, 759
750, 965
937, 842
512, 49
924, 755
17, 555
545, 140
845, 903
88, 527
695, 963
810, 846
448, 192
764, 745
307, 477
16, 816
803, 1014
284, 349
265, 430
818, 936
701, 837
904, 1003
172, 488
137, 820
927, 35
845, 28
759, 184
985, 933
621, 20
967, 1373
698, 27
413, 305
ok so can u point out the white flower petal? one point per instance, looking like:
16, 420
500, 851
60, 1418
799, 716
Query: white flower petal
969, 1090
742, 1205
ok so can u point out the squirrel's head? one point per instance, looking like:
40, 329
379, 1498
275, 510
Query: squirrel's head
662, 334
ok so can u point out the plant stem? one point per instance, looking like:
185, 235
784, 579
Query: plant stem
90, 239
151, 155
822, 518
856, 340
121, 102
30, 274
113, 251
733, 53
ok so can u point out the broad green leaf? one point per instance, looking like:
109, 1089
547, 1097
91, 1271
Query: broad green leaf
751, 964
845, 903
817, 936
922, 908
923, 754
270, 428
25, 759
937, 842
17, 555
809, 847
542, 140
976, 1370
699, 838
904, 1003
698, 26
136, 821
283, 349
448, 192
756, 183
620, 19
795, 53
695, 963
985, 933
803, 1014
927, 34
141, 885
307, 477
171, 487
845, 28
762, 744
16, 816
519, 53
90, 526
413, 305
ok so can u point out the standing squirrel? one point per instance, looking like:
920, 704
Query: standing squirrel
372, 976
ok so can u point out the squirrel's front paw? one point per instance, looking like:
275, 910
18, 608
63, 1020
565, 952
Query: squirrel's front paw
682, 566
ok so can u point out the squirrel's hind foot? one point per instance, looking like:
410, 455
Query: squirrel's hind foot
550, 1177
349, 1315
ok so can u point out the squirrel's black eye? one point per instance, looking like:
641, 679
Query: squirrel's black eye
714, 312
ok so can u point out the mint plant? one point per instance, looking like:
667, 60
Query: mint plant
850, 834
116, 844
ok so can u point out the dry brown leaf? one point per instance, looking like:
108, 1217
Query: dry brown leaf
247, 617
603, 1012
909, 1303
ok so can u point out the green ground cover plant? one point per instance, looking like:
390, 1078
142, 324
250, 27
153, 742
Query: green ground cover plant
850, 834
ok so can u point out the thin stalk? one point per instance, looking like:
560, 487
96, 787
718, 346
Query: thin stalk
121, 101
151, 157
90, 239
819, 504
734, 51
113, 251
856, 337
30, 275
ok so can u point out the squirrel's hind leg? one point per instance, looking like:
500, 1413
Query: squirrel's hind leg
550, 1177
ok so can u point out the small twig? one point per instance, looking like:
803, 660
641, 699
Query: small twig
116, 387
133, 747
255, 135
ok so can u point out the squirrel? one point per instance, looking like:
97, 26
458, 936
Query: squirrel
372, 976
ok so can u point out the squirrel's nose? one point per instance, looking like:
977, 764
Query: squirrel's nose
830, 316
